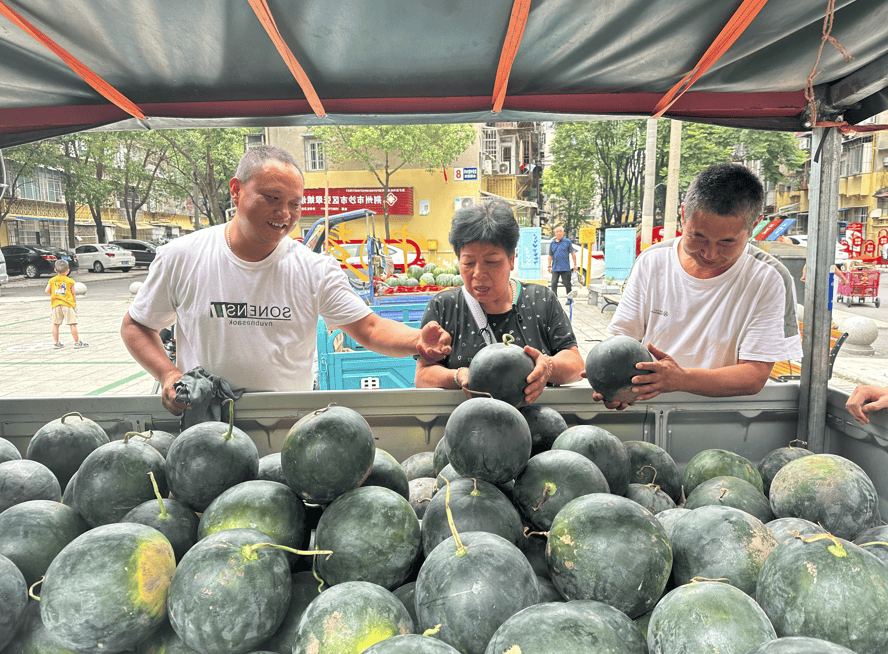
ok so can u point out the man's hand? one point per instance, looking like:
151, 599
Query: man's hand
168, 394
866, 399
665, 375
539, 376
434, 342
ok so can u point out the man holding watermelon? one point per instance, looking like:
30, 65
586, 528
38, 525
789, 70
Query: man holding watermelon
246, 298
715, 311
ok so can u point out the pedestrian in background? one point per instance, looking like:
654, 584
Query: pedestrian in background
64, 303
560, 254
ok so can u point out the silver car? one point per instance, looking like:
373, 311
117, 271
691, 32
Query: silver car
102, 256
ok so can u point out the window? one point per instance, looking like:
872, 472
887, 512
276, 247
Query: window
490, 142
856, 156
28, 189
253, 140
314, 155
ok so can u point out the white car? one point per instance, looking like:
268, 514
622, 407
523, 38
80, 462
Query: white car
802, 239
103, 256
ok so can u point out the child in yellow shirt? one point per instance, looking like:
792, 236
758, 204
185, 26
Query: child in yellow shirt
64, 303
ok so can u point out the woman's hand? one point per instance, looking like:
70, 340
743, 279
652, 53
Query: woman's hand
539, 376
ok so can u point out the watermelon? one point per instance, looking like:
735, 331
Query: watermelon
415, 271
552, 479
873, 540
783, 528
720, 542
776, 459
13, 599
62, 444
487, 439
22, 480
407, 595
800, 645
413, 281
374, 535
229, 593
443, 279
602, 448
394, 281
708, 616
548, 591
448, 474
650, 496
305, 587
33, 533
427, 279
501, 370
545, 424
270, 468
411, 644
731, 491
453, 270
159, 440
610, 367
669, 518
327, 453
439, 457
826, 489
457, 281
421, 491
349, 618
577, 626
8, 451
421, 464
388, 473
429, 267
594, 535
825, 587
107, 589
651, 464
719, 463
171, 518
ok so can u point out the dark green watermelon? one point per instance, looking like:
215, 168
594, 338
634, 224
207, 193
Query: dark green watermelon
270, 468
305, 587
873, 540
374, 535
594, 535
421, 464
407, 595
651, 464
422, 490
228, 597
13, 599
731, 491
720, 542
545, 425
8, 451
650, 496
327, 453
22, 480
501, 369
800, 645
171, 518
165, 640
440, 458
114, 479
548, 591
350, 617
560, 627
784, 528
411, 644
62, 444
705, 617
488, 439
534, 548
552, 479
610, 367
719, 463
266, 506
159, 440
776, 459
826, 489
475, 505
107, 589
669, 517
447, 473
602, 448
388, 473
471, 590
823, 587
33, 533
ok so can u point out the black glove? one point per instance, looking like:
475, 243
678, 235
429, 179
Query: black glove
204, 392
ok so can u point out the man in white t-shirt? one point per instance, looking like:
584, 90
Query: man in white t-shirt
714, 310
246, 298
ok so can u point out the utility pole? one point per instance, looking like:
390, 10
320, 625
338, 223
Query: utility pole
670, 214
650, 174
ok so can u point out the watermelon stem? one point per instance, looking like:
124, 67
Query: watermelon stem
32, 586
548, 489
875, 542
316, 576
249, 551
460, 548
528, 533
227, 436
835, 549
475, 492
796, 440
127, 435
654, 480
434, 630
508, 339
163, 515
73, 413
477, 393
697, 580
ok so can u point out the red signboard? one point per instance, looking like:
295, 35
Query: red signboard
399, 200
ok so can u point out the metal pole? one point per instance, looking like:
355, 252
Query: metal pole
650, 174
823, 208
670, 215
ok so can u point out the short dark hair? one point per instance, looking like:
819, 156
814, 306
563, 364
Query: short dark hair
255, 159
726, 190
488, 222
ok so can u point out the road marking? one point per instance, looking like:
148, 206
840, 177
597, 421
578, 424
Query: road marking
66, 363
31, 348
10, 324
114, 385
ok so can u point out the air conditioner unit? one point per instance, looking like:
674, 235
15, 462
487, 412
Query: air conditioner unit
463, 203
503, 168
487, 167
884, 162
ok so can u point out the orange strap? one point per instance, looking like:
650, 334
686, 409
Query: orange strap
263, 13
517, 23
735, 27
106, 90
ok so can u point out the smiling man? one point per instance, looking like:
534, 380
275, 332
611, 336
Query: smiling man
246, 298
714, 310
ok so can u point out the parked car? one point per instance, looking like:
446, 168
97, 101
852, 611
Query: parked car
142, 250
4, 277
802, 239
67, 255
103, 256
33, 260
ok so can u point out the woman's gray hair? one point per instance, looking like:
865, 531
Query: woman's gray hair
726, 190
255, 159
489, 222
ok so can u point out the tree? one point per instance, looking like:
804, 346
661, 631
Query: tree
570, 181
137, 164
386, 149
199, 165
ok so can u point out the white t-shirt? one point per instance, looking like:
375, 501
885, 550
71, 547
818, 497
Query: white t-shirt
252, 323
746, 313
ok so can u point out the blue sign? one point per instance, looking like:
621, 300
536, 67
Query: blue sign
528, 255
619, 252
469, 174
781, 229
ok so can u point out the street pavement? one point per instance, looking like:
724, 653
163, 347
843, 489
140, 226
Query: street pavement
31, 367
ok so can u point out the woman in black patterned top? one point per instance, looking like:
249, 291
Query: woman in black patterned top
484, 238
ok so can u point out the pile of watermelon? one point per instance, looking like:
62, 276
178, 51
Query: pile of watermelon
518, 533
430, 278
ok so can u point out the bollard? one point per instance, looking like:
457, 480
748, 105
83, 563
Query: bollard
79, 289
134, 287
862, 333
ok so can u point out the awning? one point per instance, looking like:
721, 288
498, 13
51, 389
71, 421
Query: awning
881, 193
856, 206
512, 201
41, 218
789, 208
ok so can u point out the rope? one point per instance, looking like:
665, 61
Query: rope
517, 23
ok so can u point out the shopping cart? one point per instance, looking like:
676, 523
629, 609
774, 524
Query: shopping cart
859, 286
